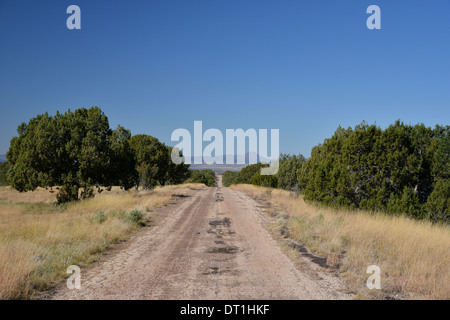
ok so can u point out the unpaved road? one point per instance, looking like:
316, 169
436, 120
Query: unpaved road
211, 246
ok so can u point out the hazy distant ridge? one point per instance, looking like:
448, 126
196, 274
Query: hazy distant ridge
236, 158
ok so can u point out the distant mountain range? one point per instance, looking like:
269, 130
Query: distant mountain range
3, 158
221, 168
242, 159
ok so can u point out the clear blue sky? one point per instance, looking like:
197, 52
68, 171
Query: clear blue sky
303, 67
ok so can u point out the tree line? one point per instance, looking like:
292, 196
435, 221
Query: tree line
402, 169
286, 178
78, 151
206, 176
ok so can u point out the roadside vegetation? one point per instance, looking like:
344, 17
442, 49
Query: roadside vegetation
40, 239
401, 170
206, 177
412, 254
243, 176
79, 152
229, 178
56, 161
373, 197
366, 196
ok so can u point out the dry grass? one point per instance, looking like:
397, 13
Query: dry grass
414, 256
39, 240
41, 195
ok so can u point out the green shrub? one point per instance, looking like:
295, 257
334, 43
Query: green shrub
287, 172
270, 181
399, 170
229, 178
203, 176
101, 217
246, 174
438, 204
135, 216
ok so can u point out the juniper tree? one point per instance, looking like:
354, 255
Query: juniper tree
70, 150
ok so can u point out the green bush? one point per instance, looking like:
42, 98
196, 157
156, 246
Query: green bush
287, 172
246, 174
78, 150
438, 204
101, 217
135, 216
229, 178
203, 176
402, 169
264, 180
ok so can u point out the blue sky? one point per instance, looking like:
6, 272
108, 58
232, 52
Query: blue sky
303, 67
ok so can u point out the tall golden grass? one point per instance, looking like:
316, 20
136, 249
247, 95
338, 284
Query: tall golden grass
39, 240
414, 256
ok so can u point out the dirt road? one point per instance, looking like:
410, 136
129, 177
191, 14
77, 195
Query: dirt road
211, 246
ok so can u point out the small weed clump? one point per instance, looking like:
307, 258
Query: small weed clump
135, 216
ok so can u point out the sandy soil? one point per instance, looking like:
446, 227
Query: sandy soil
212, 245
